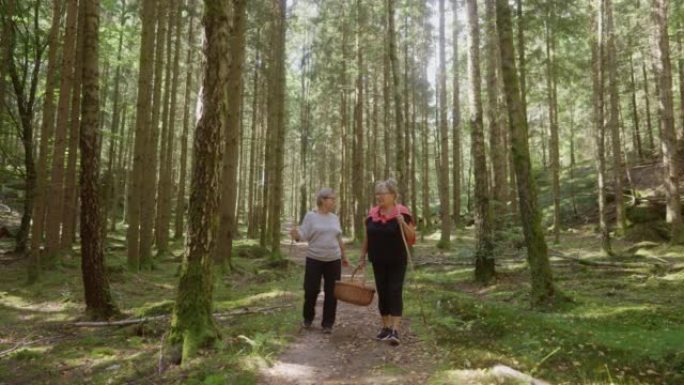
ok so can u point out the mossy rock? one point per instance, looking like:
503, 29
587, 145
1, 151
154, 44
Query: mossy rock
250, 251
644, 213
656, 231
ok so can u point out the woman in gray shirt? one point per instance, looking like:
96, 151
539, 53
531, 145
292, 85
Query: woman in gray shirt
324, 258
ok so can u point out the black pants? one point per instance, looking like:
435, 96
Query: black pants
330, 271
389, 282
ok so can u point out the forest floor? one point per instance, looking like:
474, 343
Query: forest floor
350, 355
624, 323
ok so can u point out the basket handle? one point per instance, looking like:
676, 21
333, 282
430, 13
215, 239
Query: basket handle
363, 276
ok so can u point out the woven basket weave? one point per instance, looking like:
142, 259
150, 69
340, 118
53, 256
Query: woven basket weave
354, 292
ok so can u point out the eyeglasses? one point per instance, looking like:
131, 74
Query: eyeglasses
333, 198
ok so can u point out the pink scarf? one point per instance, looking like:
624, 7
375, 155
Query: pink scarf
377, 216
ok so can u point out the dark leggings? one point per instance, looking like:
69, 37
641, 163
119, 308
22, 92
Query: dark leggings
330, 271
389, 282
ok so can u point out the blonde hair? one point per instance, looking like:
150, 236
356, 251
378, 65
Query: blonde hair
389, 185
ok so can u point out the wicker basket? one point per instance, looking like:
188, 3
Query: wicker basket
354, 292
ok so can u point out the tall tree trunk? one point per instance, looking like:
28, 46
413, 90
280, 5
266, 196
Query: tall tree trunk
193, 326
614, 117
456, 124
25, 87
680, 65
164, 186
358, 148
179, 220
142, 128
554, 151
149, 173
443, 185
542, 289
304, 134
99, 303
668, 138
496, 143
484, 257
425, 155
109, 204
71, 207
596, 41
635, 113
55, 189
277, 121
400, 156
231, 132
521, 56
649, 124
252, 196
46, 129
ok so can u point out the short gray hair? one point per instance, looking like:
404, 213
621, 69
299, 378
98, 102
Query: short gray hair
389, 185
323, 193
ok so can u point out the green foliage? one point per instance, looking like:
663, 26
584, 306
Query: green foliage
628, 325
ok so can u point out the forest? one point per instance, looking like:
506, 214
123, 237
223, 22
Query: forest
156, 154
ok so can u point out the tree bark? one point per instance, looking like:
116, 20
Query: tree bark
179, 220
277, 122
359, 209
554, 150
55, 188
25, 91
165, 185
400, 155
596, 41
668, 137
542, 290
496, 139
484, 250
456, 124
613, 118
142, 128
443, 181
192, 325
635, 113
99, 303
231, 132
649, 124
46, 131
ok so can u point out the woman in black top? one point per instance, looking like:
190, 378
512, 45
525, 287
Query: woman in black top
386, 251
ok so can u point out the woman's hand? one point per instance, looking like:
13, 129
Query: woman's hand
294, 233
345, 261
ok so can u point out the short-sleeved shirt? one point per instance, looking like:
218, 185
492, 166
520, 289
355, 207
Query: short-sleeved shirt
322, 232
385, 244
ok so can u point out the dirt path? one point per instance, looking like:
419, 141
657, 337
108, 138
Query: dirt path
350, 355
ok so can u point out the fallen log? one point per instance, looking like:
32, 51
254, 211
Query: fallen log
508, 372
588, 262
134, 321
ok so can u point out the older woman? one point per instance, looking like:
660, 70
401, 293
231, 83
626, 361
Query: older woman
386, 250
324, 257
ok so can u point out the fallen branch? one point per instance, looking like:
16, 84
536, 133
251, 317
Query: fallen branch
606, 263
444, 263
165, 316
22, 344
508, 372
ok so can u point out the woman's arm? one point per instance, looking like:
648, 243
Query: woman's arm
343, 252
409, 229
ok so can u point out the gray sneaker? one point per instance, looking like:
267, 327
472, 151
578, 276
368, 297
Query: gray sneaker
327, 329
394, 338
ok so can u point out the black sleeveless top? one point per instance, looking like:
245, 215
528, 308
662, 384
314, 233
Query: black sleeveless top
384, 241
